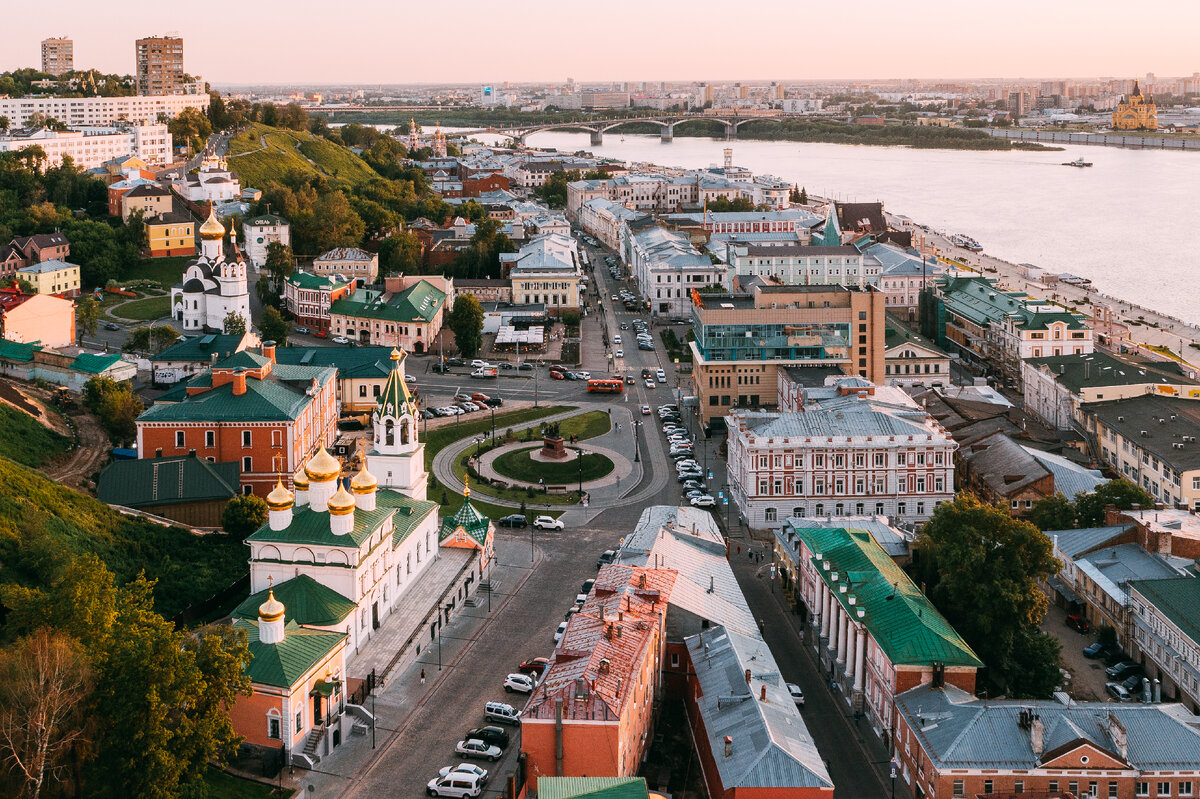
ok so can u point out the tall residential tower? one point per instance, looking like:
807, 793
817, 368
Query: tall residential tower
159, 65
58, 55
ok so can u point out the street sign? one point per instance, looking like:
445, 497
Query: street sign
720, 495
772, 571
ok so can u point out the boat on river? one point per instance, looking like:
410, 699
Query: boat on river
1078, 162
966, 242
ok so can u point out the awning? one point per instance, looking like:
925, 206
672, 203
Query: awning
1063, 591
325, 688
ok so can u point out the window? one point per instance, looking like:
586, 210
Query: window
1019, 786
1112, 790
245, 438
987, 786
273, 728
1143, 789
179, 438
299, 720
1052, 786
769, 514
210, 438
1073, 787
362, 390
958, 788
1164, 789
247, 464
1185, 788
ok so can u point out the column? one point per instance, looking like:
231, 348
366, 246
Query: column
843, 635
835, 626
860, 658
850, 646
824, 602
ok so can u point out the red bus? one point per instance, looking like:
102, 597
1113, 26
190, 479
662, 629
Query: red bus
606, 386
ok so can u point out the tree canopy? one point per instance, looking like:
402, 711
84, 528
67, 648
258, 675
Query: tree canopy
1087, 510
981, 568
466, 321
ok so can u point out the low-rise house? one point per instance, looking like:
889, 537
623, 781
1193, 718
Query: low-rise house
259, 232
546, 270
668, 269
42, 247
408, 314
805, 265
42, 318
1151, 440
1002, 472
484, 289
604, 219
347, 263
952, 744
171, 234
1166, 636
308, 297
911, 360
52, 277
193, 355
187, 488
149, 198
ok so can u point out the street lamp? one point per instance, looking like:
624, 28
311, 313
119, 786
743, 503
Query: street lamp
637, 449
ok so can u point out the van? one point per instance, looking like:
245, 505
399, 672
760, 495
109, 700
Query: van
501, 713
456, 783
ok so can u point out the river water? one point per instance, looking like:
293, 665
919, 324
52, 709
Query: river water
1125, 223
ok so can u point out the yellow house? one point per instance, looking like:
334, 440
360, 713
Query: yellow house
151, 200
171, 234
52, 277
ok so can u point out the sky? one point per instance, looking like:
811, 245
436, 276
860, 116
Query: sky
385, 41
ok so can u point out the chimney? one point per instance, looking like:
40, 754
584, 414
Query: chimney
1036, 736
728, 746
762, 695
239, 382
747, 676
268, 350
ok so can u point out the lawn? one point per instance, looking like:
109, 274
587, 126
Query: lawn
226, 786
165, 271
519, 466
26, 440
481, 488
286, 151
585, 426
144, 310
435, 440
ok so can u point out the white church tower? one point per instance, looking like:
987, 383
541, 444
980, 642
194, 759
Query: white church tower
397, 458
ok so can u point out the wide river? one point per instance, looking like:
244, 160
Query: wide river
1125, 223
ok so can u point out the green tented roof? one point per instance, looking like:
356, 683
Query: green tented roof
900, 618
305, 602
166, 481
592, 788
474, 523
284, 664
395, 396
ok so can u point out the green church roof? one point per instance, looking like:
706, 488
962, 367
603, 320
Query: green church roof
285, 664
831, 236
473, 523
395, 396
305, 602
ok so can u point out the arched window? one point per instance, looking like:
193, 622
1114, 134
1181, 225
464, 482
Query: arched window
404, 432
389, 433
769, 514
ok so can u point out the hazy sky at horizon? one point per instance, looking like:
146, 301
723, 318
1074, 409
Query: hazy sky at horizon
635, 40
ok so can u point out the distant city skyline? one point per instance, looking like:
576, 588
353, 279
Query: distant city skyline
382, 43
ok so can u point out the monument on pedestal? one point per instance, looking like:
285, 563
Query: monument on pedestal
552, 444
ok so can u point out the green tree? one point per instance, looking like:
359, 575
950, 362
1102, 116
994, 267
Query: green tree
243, 515
981, 568
1089, 508
554, 191
25, 286
234, 324
1053, 513
115, 404
266, 295
87, 313
273, 327
1034, 673
164, 698
191, 127
280, 263
401, 253
803, 196
466, 321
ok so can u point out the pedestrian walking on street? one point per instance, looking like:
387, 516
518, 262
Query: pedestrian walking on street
422, 676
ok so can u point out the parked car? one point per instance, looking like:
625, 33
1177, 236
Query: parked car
1133, 684
524, 367
477, 748
797, 694
454, 783
115, 326
513, 520
661, 375
439, 368
557, 375
340, 340
491, 735
1122, 670
1095, 650
607, 556
465, 768
521, 683
501, 712
586, 588
583, 375
705, 501
694, 484
477, 397
494, 402
479, 364
1077, 622
693, 474
302, 329
1118, 692
548, 523
455, 362
536, 665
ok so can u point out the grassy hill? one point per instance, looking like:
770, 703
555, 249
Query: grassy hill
40, 521
26, 440
262, 153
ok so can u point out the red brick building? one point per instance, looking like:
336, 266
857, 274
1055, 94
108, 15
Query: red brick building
474, 186
42, 247
267, 417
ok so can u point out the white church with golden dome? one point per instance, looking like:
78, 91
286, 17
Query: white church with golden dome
213, 285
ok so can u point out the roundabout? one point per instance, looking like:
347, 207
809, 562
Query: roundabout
526, 465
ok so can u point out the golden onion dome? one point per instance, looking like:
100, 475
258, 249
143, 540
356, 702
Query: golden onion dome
342, 502
212, 229
364, 482
396, 354
300, 480
323, 467
280, 498
272, 609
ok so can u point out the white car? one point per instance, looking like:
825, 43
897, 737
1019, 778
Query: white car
521, 683
620, 353
706, 501
558, 634
650, 383
478, 364
797, 694
584, 375
340, 340
645, 410
477, 748
548, 523
470, 768
661, 375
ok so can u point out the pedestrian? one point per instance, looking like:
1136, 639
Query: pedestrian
422, 676
739, 549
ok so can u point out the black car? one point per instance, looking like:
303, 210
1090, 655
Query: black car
513, 520
1122, 671
439, 368
455, 362
1133, 684
1096, 651
586, 588
525, 367
606, 557
493, 402
111, 326
491, 735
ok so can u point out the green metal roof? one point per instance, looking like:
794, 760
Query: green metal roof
592, 788
356, 362
307, 280
900, 618
285, 664
409, 512
282, 396
16, 351
305, 602
312, 527
395, 396
244, 360
94, 364
418, 303
167, 481
201, 348
1177, 598
474, 523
